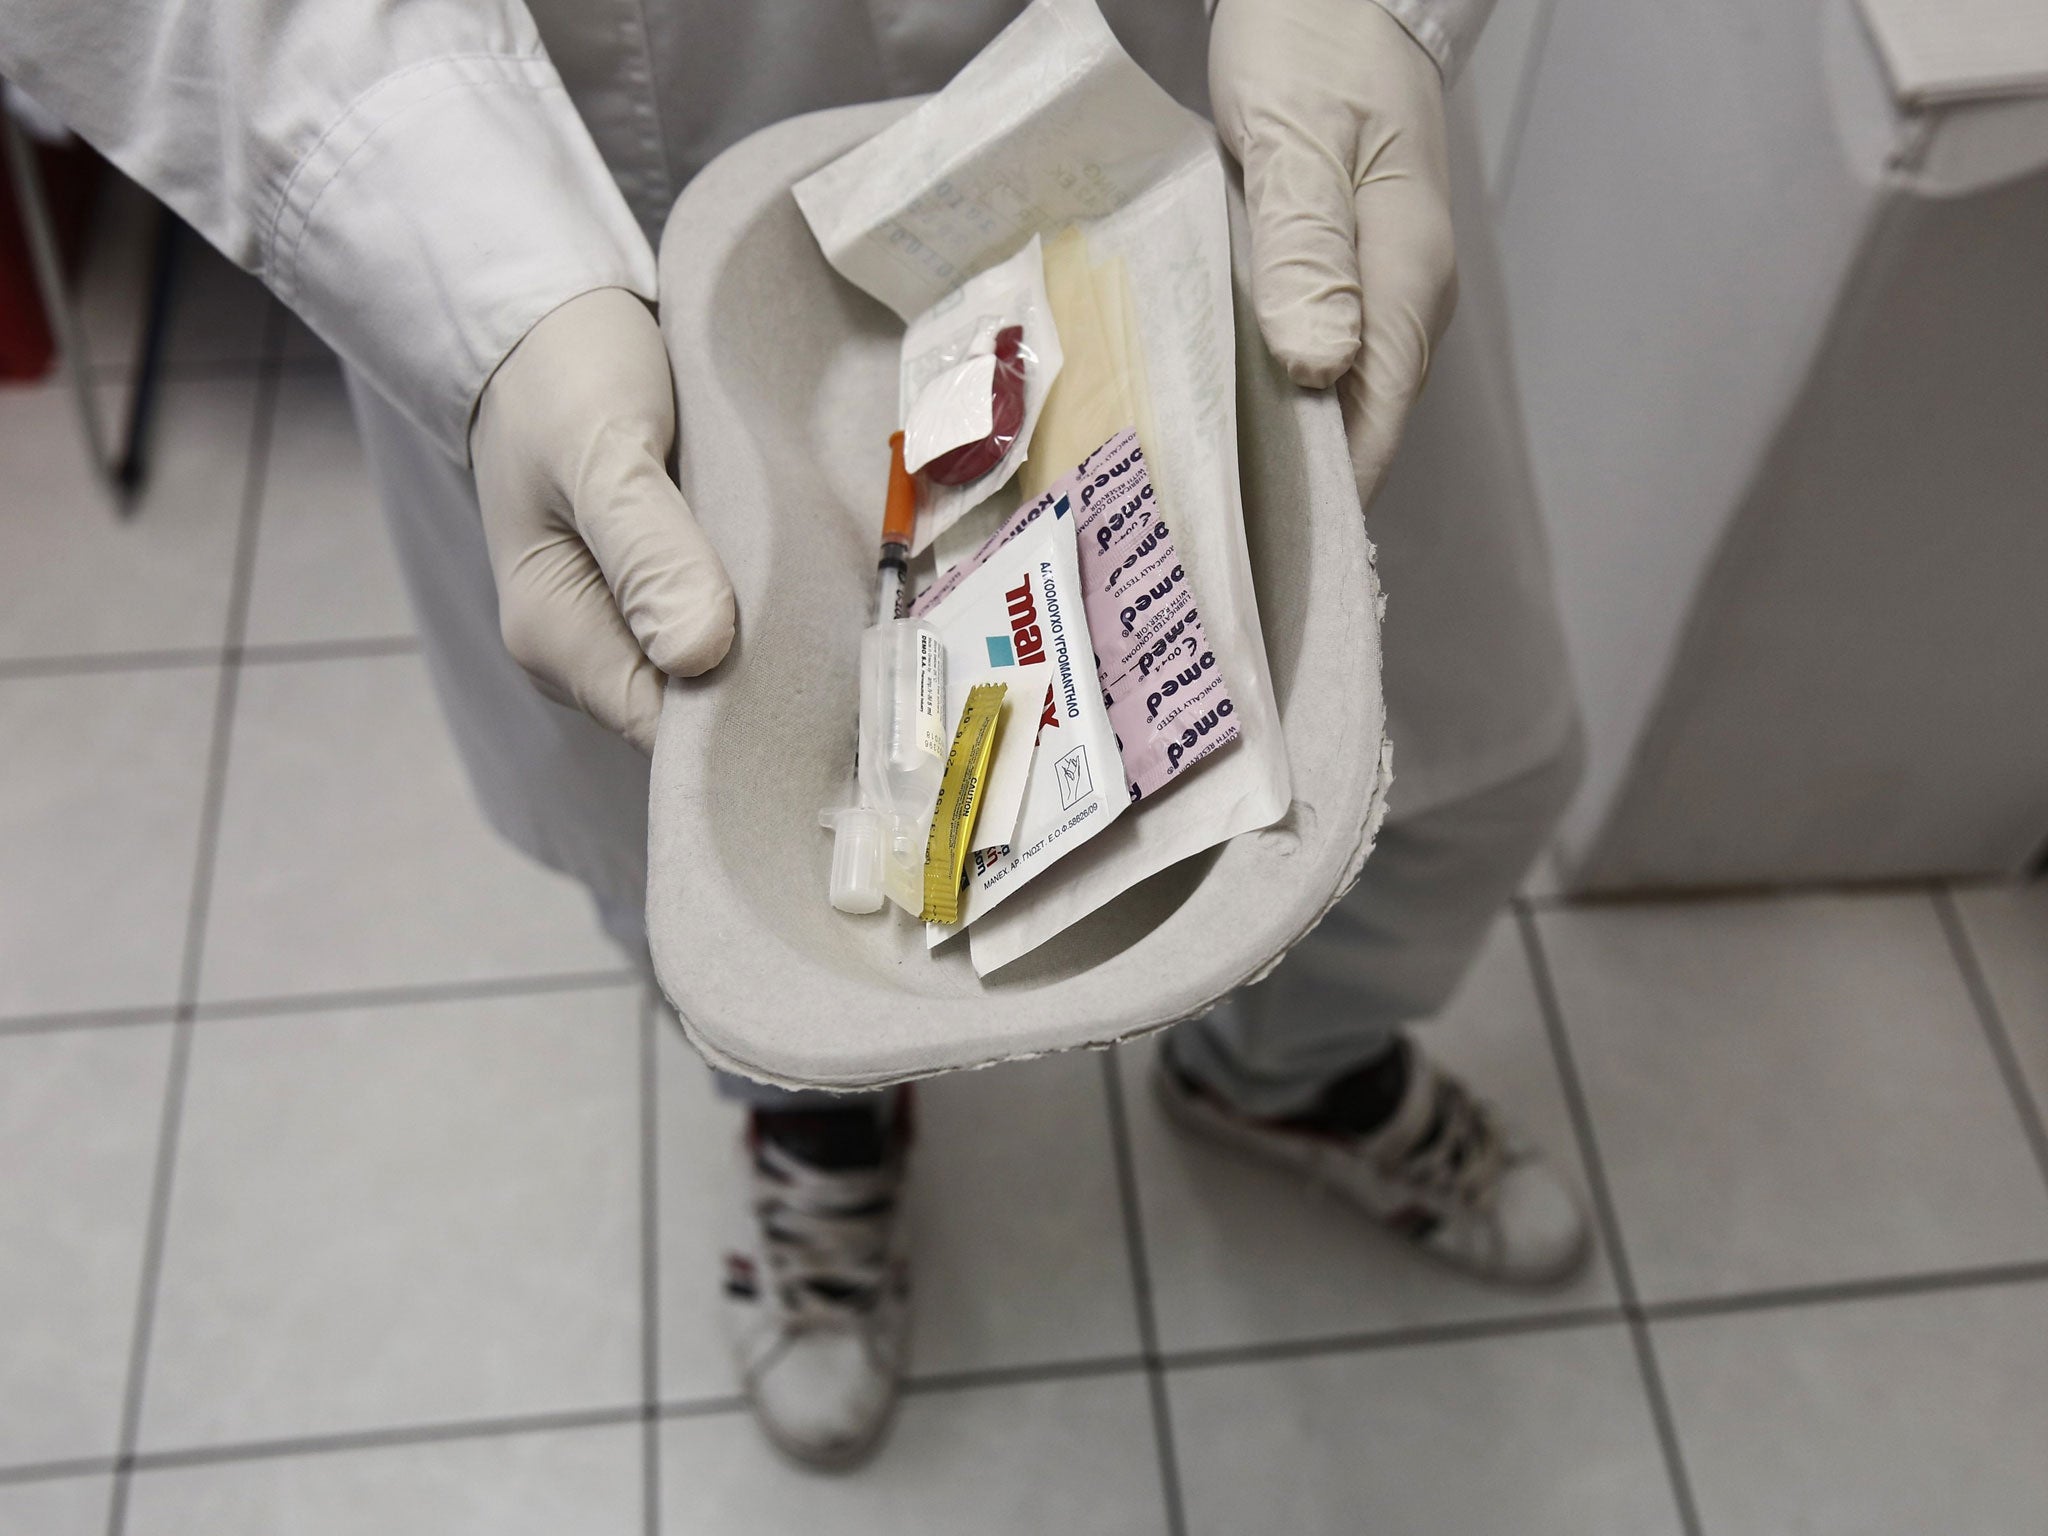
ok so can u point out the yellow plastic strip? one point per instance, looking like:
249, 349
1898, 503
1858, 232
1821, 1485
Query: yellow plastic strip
945, 855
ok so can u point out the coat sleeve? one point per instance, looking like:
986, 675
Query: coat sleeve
409, 175
1446, 28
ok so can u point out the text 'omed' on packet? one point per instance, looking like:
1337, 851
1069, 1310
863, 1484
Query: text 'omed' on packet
1164, 691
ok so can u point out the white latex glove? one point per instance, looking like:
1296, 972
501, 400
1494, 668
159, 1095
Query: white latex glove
1337, 116
606, 585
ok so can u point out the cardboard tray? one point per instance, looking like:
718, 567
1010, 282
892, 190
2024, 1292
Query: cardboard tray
786, 393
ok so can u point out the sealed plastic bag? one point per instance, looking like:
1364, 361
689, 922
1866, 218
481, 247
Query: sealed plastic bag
976, 369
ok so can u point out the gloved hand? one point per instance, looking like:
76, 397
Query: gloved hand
606, 585
1336, 115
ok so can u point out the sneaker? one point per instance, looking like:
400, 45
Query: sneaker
817, 1292
1441, 1170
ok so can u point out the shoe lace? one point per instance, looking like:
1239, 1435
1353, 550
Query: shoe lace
1463, 1153
824, 1235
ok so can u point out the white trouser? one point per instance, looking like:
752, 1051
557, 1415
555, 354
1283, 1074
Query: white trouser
1390, 953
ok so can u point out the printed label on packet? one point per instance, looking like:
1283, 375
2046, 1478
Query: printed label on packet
959, 802
930, 682
1166, 696
1025, 608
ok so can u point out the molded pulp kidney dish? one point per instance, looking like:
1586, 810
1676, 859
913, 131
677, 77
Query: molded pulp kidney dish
786, 394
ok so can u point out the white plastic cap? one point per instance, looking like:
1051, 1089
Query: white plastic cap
856, 859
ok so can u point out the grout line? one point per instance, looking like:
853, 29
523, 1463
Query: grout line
1419, 1336
273, 652
324, 1002
1657, 1399
87, 663
1978, 984
53, 1471
189, 969
1665, 1424
170, 1119
1414, 1336
1024, 1375
1604, 1213
1141, 1289
423, 992
103, 1018
268, 653
701, 1407
1931, 1282
380, 1439
650, 1270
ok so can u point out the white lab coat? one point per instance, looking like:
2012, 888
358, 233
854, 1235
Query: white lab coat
421, 180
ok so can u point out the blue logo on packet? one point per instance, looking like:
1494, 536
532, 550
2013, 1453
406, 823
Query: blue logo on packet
1000, 652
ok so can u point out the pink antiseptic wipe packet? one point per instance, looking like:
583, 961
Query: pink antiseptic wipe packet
1166, 695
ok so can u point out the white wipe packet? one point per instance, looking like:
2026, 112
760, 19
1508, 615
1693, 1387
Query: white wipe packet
950, 376
1052, 124
1022, 608
954, 409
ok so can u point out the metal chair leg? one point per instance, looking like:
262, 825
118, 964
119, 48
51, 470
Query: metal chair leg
124, 473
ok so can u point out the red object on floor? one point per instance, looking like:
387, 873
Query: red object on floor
71, 175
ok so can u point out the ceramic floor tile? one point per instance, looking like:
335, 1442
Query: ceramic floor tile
2008, 928
102, 786
66, 1507
79, 1114
79, 578
352, 853
402, 1216
218, 311
1886, 1417
1533, 1433
1792, 1091
1018, 1235
324, 568
585, 1481
1074, 1457
1243, 1253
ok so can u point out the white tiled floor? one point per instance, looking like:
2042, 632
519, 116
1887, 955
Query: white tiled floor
406, 1215
585, 1481
324, 565
1791, 1093
102, 794
1904, 1413
80, 580
79, 1118
351, 854
72, 1506
409, 1275
1076, 1457
1527, 1433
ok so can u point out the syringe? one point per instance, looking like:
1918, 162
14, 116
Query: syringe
879, 844
899, 517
